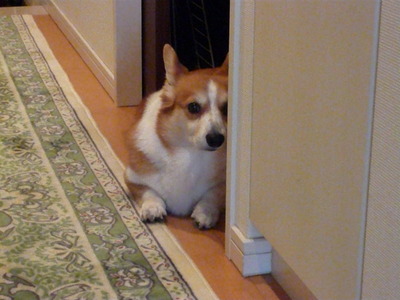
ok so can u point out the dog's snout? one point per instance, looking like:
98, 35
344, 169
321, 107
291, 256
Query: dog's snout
215, 140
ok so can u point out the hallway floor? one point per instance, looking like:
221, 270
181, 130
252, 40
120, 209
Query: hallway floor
206, 248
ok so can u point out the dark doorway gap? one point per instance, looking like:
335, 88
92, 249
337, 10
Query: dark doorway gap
197, 29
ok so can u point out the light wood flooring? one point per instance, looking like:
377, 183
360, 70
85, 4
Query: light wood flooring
206, 248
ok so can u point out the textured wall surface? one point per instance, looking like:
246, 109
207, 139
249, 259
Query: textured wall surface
94, 20
381, 278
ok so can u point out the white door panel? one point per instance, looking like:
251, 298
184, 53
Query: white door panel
314, 63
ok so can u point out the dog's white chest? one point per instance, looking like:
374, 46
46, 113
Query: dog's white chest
182, 181
182, 176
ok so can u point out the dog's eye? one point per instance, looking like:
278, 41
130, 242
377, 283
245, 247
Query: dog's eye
194, 107
224, 109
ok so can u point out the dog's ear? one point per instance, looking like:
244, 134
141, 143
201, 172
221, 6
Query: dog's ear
224, 68
173, 68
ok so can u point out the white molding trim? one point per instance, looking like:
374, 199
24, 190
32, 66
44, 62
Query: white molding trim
250, 246
99, 69
231, 176
251, 256
244, 245
128, 52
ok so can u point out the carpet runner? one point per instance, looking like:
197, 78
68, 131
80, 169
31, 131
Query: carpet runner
68, 229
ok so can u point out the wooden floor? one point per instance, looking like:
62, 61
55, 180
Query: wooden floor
206, 248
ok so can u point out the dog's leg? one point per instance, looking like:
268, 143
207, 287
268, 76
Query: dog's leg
207, 210
152, 207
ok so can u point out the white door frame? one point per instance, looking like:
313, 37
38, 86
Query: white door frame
244, 245
128, 52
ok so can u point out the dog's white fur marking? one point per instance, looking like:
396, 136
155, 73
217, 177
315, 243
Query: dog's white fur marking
211, 120
212, 91
215, 121
206, 212
182, 181
153, 207
147, 138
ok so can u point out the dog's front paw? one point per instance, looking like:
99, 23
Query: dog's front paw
205, 219
153, 211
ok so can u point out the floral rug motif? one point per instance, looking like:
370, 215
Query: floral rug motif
67, 227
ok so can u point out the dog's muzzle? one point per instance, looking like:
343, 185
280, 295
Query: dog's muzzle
215, 140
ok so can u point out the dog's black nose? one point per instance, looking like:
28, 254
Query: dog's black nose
215, 140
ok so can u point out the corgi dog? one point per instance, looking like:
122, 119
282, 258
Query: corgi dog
177, 149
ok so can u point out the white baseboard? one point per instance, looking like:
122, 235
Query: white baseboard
251, 256
99, 69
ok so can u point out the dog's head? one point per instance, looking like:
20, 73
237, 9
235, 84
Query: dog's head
194, 104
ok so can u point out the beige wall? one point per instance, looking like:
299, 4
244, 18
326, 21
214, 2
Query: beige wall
107, 35
35, 2
382, 249
94, 21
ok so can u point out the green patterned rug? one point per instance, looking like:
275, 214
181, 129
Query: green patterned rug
67, 227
